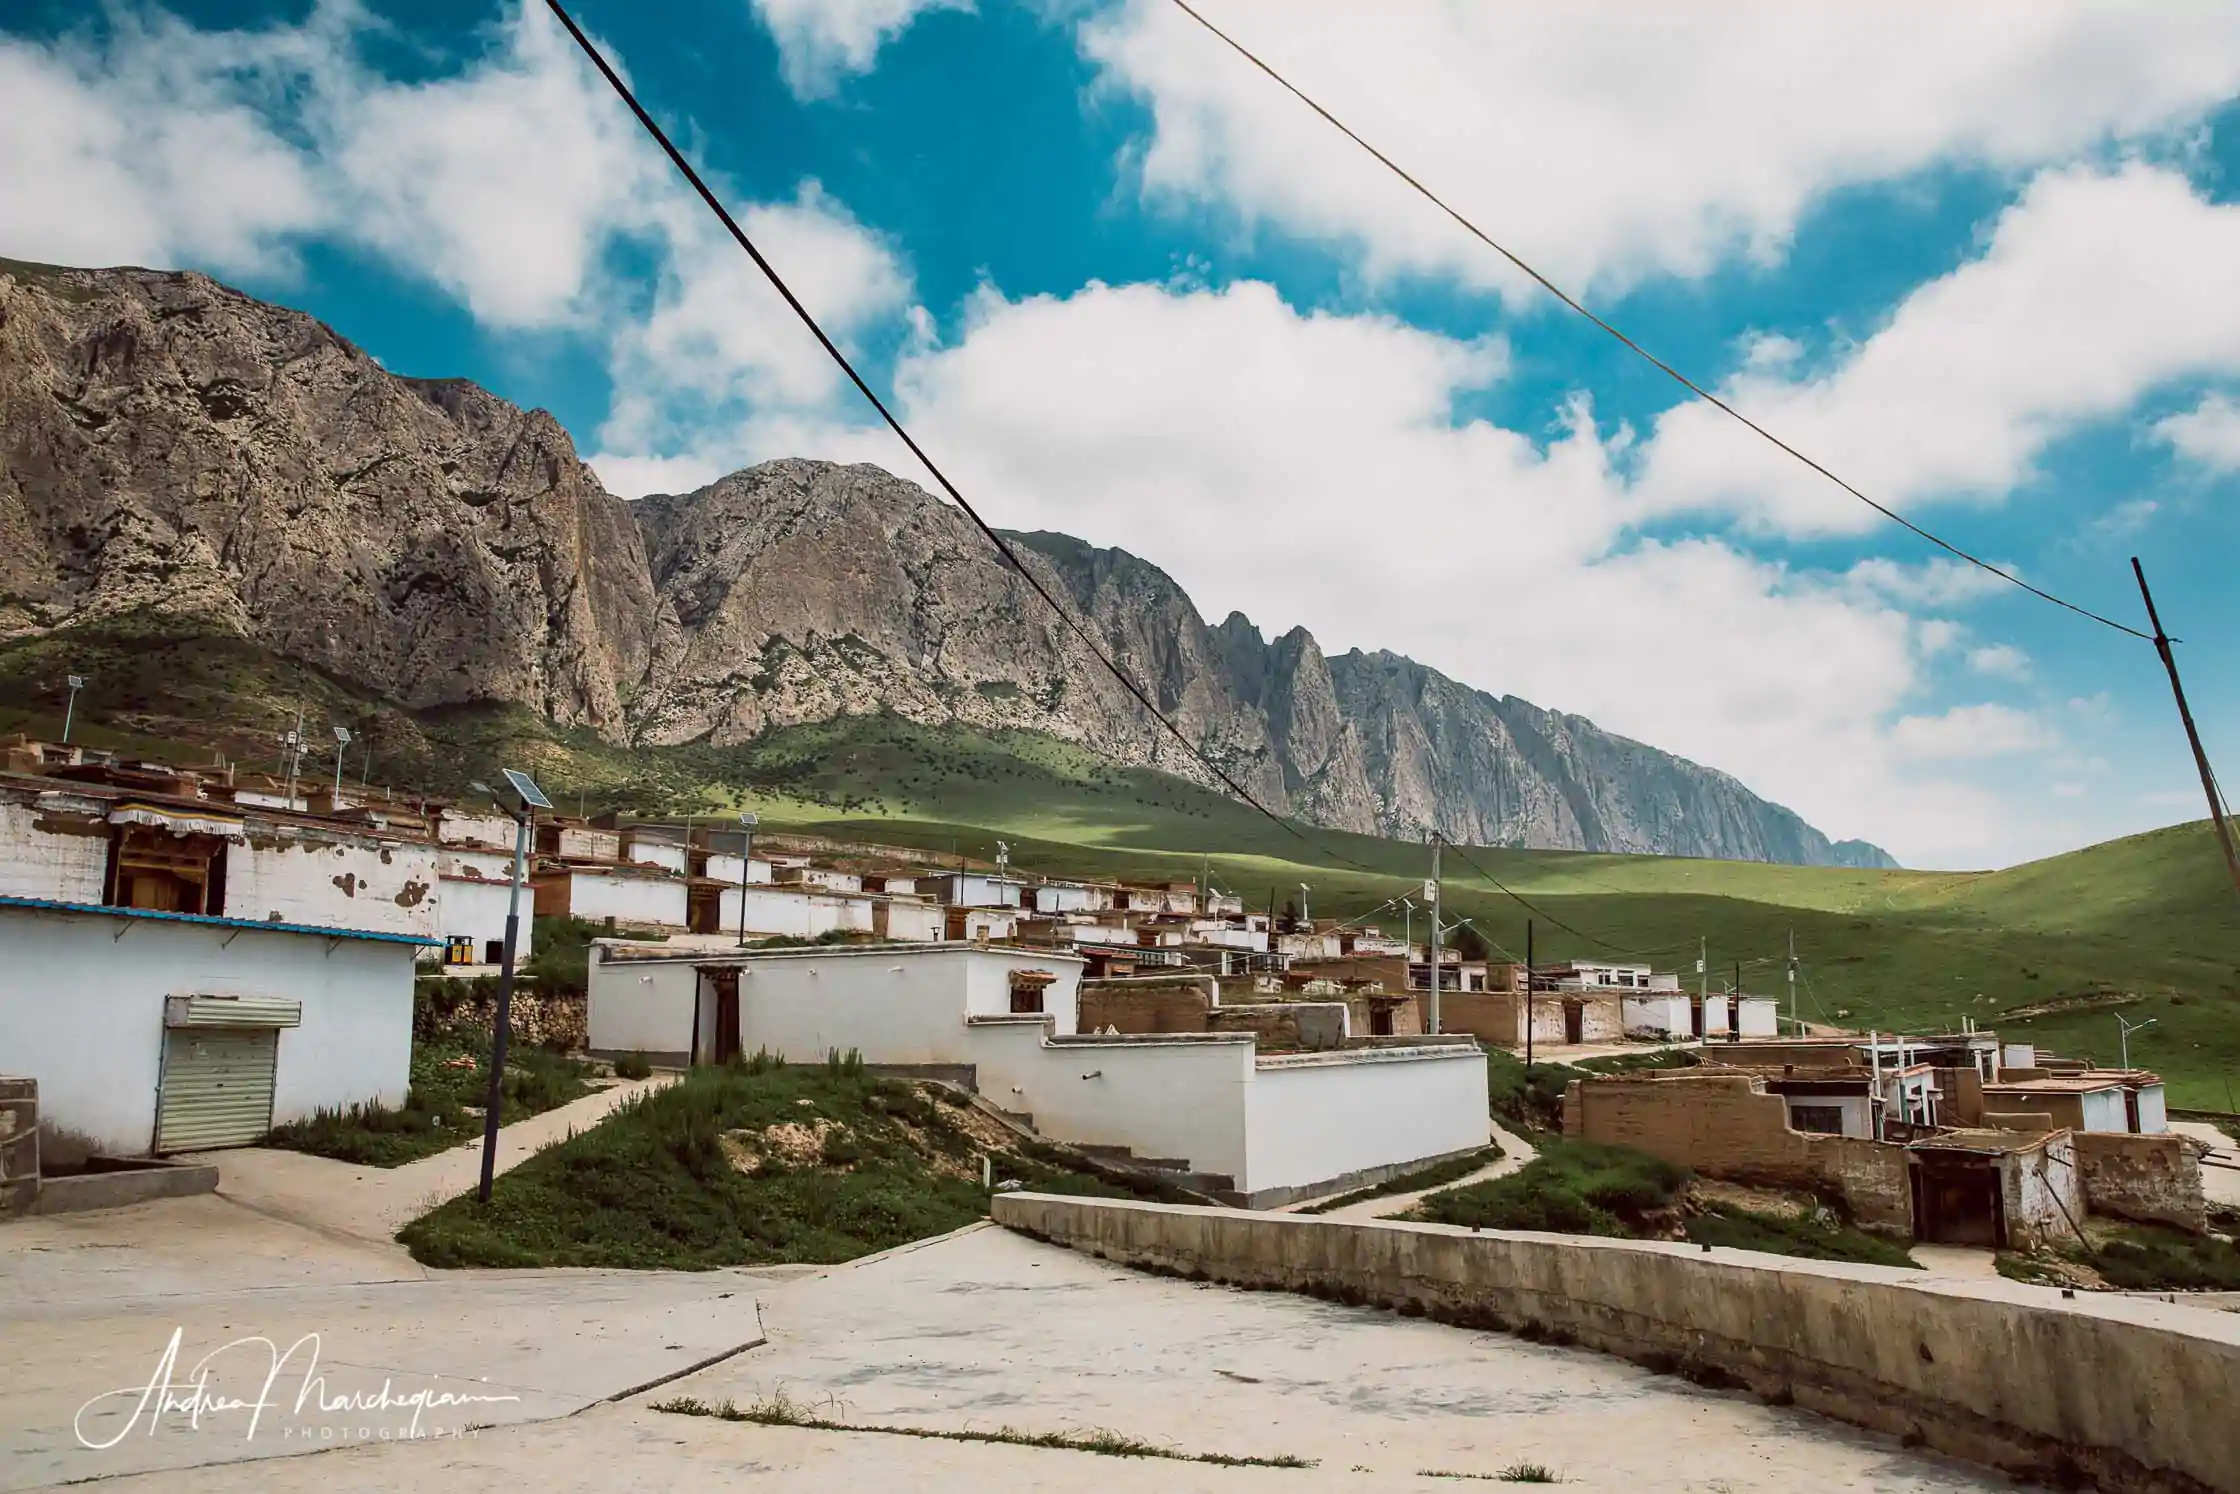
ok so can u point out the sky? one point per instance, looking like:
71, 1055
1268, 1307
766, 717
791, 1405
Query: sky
1978, 260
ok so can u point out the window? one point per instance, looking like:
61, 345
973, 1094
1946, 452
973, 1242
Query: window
1027, 987
1825, 1120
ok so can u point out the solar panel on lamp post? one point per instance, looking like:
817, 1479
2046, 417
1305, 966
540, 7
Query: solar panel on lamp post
528, 799
70, 711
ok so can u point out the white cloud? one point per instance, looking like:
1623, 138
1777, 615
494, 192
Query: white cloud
1305, 468
821, 42
1936, 582
1970, 731
149, 147
2094, 288
2209, 433
2003, 660
1609, 144
639, 476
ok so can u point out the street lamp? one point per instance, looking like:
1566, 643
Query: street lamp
2128, 1028
528, 799
748, 819
1304, 916
341, 750
70, 710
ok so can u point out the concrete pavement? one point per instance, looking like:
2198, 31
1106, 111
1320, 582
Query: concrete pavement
1515, 1153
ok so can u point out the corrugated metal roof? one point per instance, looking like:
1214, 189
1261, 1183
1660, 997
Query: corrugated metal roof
103, 910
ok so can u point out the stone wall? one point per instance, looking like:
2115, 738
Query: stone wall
1294, 1026
19, 1145
2130, 1397
1727, 1126
2153, 1179
559, 1021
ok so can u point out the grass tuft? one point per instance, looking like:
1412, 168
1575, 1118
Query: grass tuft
1817, 1237
780, 1410
1571, 1188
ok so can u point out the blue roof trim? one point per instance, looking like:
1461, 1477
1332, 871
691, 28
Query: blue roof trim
52, 905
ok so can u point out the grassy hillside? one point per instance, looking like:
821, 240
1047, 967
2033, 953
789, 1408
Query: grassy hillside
2148, 926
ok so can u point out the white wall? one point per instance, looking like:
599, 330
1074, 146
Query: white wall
988, 985
2106, 1111
382, 887
906, 920
893, 1006
2154, 1114
39, 863
640, 1006
477, 909
1716, 1016
1317, 1117
1175, 1099
1760, 1016
638, 902
665, 854
456, 826
1858, 1111
725, 868
1658, 1016
81, 1011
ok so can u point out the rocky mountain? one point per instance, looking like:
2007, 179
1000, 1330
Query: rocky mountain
169, 444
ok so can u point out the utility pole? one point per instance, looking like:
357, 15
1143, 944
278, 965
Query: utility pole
2193, 734
1793, 1027
1703, 983
1528, 995
1431, 892
70, 711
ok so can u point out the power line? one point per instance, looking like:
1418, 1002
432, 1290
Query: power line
1658, 363
1003, 547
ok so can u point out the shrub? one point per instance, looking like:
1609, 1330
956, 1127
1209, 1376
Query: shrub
633, 1066
1572, 1187
1819, 1237
2149, 1259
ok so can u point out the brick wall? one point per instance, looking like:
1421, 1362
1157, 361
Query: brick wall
1180, 1007
1491, 1017
1727, 1126
19, 1145
1962, 1102
2154, 1179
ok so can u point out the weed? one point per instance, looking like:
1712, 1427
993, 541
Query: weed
1571, 1187
1515, 1473
779, 1410
1818, 1236
633, 1066
1454, 1169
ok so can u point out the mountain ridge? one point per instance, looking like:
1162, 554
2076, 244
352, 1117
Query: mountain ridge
168, 442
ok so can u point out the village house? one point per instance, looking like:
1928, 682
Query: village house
1258, 1129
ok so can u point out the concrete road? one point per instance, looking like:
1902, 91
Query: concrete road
2220, 1170
1515, 1153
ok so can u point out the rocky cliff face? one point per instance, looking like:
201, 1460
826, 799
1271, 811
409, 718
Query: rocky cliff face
169, 444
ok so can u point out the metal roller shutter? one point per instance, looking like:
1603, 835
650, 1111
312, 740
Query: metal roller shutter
217, 1087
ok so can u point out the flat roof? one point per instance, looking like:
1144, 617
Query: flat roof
2076, 1085
1985, 1142
631, 951
105, 910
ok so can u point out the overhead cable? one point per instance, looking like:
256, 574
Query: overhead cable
1698, 390
1003, 546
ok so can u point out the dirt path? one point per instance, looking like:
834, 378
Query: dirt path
370, 1204
1515, 1153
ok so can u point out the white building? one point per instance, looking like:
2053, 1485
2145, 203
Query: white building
795, 911
167, 1032
973, 890
1757, 1016
1656, 1014
477, 888
633, 897
1277, 1128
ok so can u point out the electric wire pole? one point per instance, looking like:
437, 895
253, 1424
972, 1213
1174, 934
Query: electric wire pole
2193, 735
1431, 891
1793, 1027
1528, 995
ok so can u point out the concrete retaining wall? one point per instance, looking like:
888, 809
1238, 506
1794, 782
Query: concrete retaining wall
2135, 1397
114, 1182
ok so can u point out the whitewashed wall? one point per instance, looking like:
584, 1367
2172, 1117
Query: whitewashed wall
638, 902
380, 887
455, 827
667, 855
1858, 1111
2106, 1111
46, 864
1657, 1016
799, 912
725, 868
901, 919
1760, 1017
81, 1011
1316, 1117
988, 988
477, 909
2154, 1113
641, 1006
1173, 1099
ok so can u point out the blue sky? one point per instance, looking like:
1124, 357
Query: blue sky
1123, 287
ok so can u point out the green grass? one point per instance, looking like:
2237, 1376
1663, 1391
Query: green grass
1570, 1188
660, 1183
2147, 926
1812, 1238
443, 1106
2149, 1258
1454, 1169
780, 1410
1515, 1473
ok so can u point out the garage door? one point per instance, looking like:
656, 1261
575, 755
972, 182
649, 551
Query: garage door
217, 1087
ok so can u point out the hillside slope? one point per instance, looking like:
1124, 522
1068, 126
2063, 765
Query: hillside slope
170, 447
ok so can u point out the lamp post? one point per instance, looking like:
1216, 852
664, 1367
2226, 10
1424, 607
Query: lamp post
1304, 916
528, 799
2126, 1029
341, 750
748, 819
70, 709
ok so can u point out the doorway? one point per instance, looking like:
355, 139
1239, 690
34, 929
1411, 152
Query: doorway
723, 988
1574, 1022
1957, 1201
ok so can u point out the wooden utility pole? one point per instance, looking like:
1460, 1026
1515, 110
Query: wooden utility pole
2193, 734
1528, 993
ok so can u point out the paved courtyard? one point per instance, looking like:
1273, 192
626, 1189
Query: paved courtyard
974, 1332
